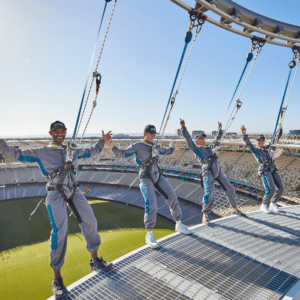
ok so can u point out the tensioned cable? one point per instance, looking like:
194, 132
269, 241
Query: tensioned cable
195, 15
95, 101
248, 59
176, 92
188, 38
84, 90
255, 45
292, 64
288, 99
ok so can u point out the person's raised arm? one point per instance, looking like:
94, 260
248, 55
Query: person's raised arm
215, 142
278, 134
248, 143
11, 153
168, 151
187, 136
120, 153
89, 152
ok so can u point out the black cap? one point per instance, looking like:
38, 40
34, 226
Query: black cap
57, 124
261, 137
200, 135
150, 129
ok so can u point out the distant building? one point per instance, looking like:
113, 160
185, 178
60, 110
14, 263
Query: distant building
178, 132
214, 132
295, 131
231, 133
197, 132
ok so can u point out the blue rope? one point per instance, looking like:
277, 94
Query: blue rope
188, 38
287, 83
79, 113
249, 58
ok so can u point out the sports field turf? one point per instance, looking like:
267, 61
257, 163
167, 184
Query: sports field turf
24, 245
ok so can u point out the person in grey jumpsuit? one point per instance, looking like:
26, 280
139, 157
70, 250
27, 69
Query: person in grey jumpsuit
211, 171
52, 160
147, 157
267, 171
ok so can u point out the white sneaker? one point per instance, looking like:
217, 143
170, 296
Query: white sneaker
274, 208
151, 241
264, 208
182, 228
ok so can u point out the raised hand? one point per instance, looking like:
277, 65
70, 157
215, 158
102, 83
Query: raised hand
243, 129
106, 137
182, 123
177, 147
219, 125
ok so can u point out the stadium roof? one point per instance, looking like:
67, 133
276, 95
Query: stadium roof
257, 257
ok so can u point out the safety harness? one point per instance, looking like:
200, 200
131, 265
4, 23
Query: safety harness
148, 164
62, 172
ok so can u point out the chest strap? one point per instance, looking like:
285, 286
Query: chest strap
148, 162
267, 162
59, 170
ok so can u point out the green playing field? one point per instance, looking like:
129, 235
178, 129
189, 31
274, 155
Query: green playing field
24, 245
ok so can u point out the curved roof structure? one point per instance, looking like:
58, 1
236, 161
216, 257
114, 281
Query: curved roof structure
250, 22
257, 257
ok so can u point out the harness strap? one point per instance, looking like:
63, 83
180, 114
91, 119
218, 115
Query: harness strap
148, 162
68, 200
266, 162
67, 167
161, 191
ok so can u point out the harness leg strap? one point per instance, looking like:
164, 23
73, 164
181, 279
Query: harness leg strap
74, 210
221, 184
71, 204
161, 190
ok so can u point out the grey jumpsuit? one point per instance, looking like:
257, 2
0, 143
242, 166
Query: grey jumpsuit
267, 171
151, 180
211, 171
50, 158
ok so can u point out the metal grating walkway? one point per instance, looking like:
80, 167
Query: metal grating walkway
257, 257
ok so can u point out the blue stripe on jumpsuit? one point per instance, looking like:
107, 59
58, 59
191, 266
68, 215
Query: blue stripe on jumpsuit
255, 152
206, 188
143, 190
54, 228
34, 159
267, 186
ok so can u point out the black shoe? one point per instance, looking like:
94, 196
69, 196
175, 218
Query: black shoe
99, 263
239, 213
58, 288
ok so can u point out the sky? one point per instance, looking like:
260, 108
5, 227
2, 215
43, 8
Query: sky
46, 48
